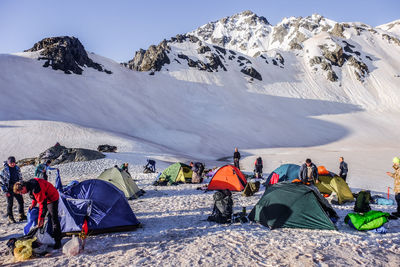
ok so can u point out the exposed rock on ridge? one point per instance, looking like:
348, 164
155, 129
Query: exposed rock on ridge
65, 53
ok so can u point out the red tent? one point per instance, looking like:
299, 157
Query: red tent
228, 177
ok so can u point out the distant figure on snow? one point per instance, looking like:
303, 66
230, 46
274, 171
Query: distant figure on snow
10, 175
41, 170
308, 173
396, 177
125, 167
343, 168
236, 158
150, 167
197, 169
258, 167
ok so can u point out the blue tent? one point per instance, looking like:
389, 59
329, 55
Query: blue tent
101, 203
286, 172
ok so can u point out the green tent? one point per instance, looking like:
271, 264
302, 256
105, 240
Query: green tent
291, 205
336, 184
123, 181
177, 172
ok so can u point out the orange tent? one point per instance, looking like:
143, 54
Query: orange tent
228, 177
322, 170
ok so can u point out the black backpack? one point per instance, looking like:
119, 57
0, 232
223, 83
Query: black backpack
362, 202
200, 168
223, 207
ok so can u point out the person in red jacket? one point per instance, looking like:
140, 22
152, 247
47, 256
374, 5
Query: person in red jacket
46, 195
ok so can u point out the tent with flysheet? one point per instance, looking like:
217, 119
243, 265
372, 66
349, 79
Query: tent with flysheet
228, 177
175, 173
285, 172
123, 181
96, 203
293, 205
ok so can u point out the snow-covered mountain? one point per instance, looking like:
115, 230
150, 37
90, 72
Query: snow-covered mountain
238, 81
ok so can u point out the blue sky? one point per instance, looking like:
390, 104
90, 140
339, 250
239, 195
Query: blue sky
116, 29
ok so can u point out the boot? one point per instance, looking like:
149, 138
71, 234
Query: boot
22, 217
11, 219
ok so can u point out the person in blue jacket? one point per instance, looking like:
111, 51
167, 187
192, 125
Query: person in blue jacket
10, 175
308, 173
41, 170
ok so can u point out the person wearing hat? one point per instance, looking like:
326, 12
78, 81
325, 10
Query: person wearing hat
396, 176
46, 195
10, 175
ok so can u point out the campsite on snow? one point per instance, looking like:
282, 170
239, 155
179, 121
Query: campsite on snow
293, 97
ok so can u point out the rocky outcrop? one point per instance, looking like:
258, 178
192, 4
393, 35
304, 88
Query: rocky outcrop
65, 53
202, 49
26, 162
336, 57
107, 148
60, 154
361, 69
252, 72
338, 30
391, 39
152, 59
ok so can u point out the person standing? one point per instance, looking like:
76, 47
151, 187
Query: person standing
258, 167
41, 170
236, 158
396, 176
197, 172
10, 175
343, 169
308, 173
46, 195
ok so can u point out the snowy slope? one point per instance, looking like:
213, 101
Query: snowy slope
274, 99
391, 27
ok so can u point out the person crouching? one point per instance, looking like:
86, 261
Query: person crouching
46, 195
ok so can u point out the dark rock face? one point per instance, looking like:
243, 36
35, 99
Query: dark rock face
151, 59
65, 53
252, 72
107, 148
202, 49
220, 49
60, 154
213, 65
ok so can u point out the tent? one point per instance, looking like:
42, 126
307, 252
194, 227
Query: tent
103, 205
286, 172
228, 177
175, 173
328, 184
290, 205
123, 181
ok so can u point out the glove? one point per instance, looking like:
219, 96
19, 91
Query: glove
8, 194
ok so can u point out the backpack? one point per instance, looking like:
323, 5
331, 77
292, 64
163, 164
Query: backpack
223, 207
200, 168
362, 202
251, 188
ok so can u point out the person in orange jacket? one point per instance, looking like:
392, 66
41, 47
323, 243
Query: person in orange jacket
46, 195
